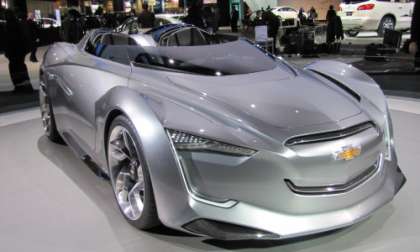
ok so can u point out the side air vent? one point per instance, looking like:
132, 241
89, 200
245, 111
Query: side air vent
329, 136
340, 85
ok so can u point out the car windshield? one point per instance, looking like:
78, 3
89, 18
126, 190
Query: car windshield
238, 57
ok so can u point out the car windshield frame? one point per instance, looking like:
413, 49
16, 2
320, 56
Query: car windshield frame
224, 59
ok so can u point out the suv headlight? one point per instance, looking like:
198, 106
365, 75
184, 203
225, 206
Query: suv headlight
186, 141
388, 138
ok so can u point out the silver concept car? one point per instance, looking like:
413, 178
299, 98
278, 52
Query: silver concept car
218, 138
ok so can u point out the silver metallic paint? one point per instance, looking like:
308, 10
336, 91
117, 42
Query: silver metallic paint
286, 103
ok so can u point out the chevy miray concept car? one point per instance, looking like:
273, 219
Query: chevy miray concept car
217, 137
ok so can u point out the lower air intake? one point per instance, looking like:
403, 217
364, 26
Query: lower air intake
225, 231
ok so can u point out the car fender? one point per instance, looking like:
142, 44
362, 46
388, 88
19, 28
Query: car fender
354, 79
169, 190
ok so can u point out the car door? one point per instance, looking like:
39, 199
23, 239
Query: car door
92, 74
404, 12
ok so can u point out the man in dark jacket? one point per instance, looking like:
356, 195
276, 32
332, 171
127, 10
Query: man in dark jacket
34, 40
331, 25
273, 23
146, 18
234, 19
16, 48
195, 15
72, 27
415, 35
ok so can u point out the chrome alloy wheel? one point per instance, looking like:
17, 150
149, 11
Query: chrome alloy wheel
45, 110
388, 23
126, 172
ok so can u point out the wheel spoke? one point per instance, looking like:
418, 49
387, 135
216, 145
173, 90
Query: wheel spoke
127, 143
126, 172
135, 197
118, 150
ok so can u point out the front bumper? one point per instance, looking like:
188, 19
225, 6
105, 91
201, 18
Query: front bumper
244, 221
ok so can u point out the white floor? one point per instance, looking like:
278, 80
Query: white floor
51, 201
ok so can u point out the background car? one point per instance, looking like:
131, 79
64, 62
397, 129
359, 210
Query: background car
375, 15
288, 15
45, 23
220, 138
167, 18
160, 19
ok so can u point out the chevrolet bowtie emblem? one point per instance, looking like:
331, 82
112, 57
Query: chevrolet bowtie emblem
348, 153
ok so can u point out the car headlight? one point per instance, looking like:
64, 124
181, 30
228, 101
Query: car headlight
388, 138
186, 141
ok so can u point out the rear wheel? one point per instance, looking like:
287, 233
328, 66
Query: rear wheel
387, 22
47, 116
130, 176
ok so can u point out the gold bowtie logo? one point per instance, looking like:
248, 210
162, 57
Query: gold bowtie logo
348, 153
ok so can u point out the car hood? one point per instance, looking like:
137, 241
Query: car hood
276, 98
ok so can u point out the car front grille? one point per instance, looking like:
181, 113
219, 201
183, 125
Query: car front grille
331, 135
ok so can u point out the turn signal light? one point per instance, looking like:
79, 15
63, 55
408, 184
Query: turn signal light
366, 7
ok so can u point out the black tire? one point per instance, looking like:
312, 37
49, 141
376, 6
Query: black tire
387, 22
52, 132
149, 216
352, 33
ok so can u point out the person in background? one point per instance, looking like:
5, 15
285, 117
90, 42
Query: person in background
133, 12
16, 48
258, 20
313, 15
99, 11
34, 37
110, 20
209, 19
247, 16
92, 22
195, 15
216, 12
72, 27
302, 17
339, 32
234, 18
331, 24
415, 36
273, 23
146, 18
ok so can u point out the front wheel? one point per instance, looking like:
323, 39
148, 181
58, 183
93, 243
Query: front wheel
47, 116
387, 22
130, 176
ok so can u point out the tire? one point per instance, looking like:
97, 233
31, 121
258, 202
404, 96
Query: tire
47, 117
129, 175
387, 22
352, 33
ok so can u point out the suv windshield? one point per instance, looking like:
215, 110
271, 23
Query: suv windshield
238, 57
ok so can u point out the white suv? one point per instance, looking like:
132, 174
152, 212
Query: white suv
375, 15
288, 15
